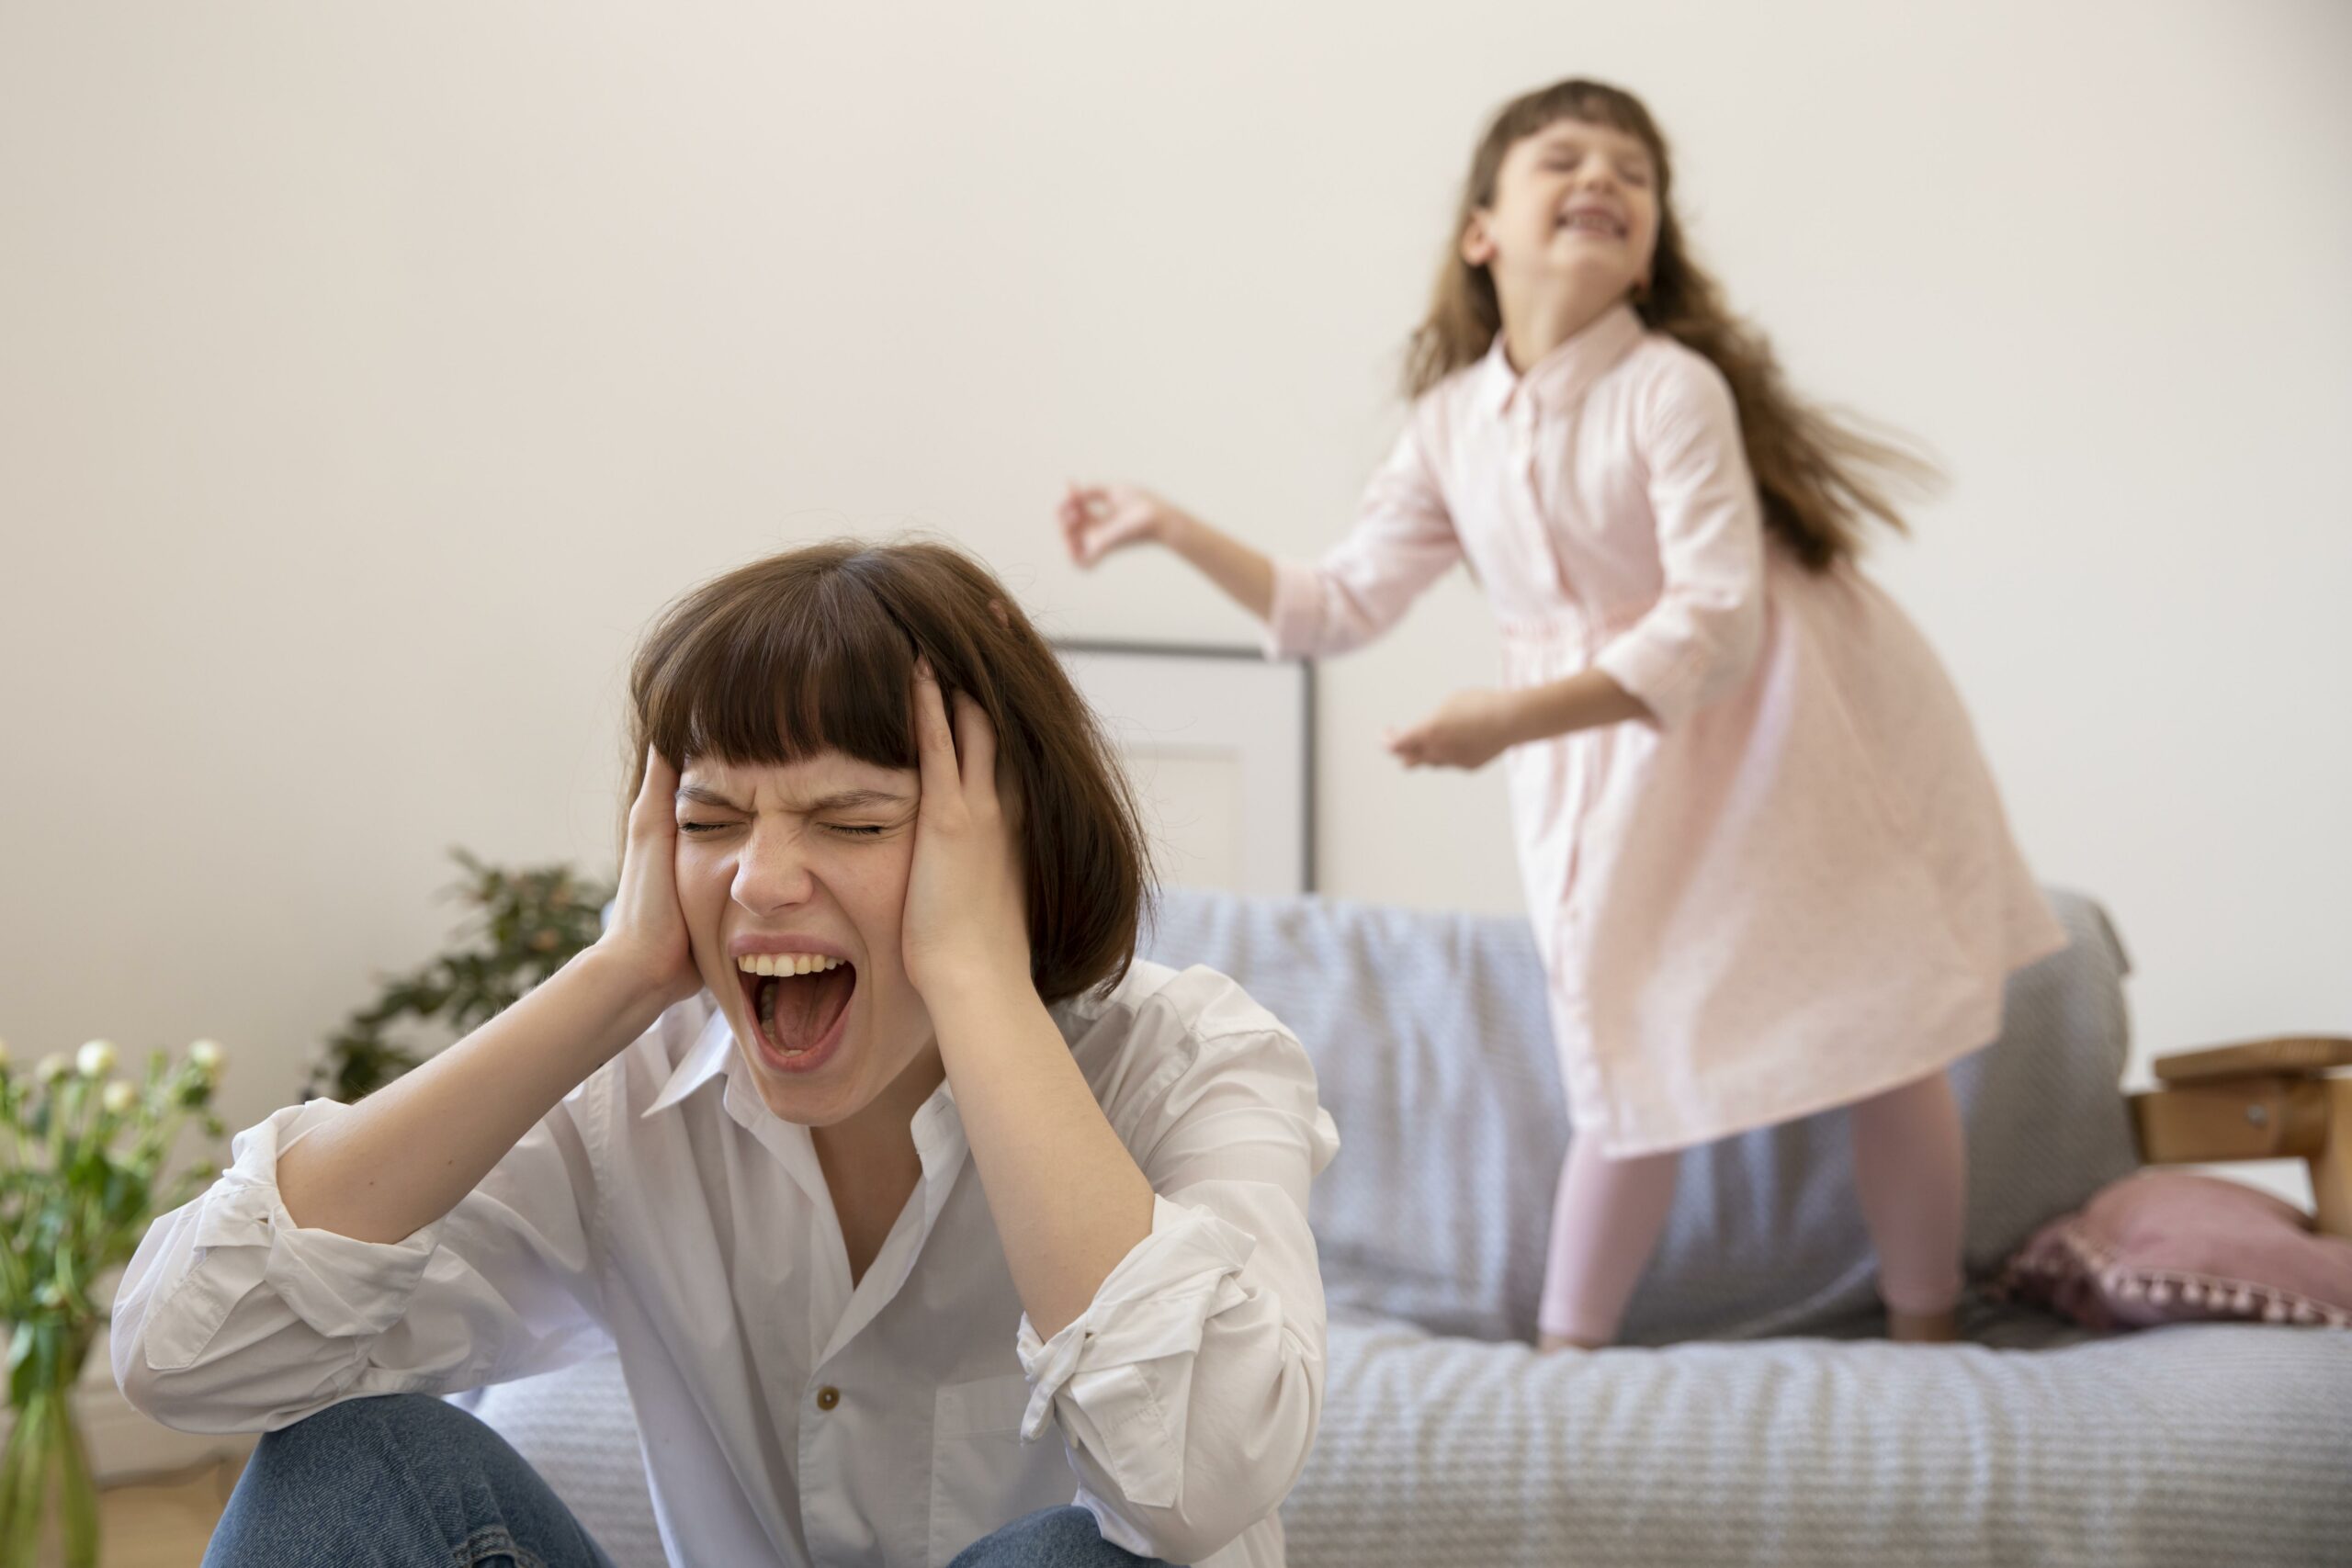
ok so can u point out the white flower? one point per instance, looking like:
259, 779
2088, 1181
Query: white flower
119, 1097
52, 1067
95, 1060
207, 1056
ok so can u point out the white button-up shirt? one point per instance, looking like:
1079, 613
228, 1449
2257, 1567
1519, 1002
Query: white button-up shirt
785, 1416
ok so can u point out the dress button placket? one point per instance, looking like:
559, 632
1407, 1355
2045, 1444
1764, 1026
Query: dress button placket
1524, 447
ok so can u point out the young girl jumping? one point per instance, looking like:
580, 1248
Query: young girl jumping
1767, 869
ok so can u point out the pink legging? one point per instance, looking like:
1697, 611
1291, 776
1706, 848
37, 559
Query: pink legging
1910, 1162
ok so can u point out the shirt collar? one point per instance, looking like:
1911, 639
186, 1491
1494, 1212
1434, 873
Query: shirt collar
1556, 381
938, 1125
705, 1059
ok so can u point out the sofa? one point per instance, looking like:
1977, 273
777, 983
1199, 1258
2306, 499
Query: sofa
1754, 1415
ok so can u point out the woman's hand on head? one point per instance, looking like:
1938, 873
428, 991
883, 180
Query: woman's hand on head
1097, 519
965, 923
646, 939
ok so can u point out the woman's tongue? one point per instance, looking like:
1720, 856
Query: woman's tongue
795, 1013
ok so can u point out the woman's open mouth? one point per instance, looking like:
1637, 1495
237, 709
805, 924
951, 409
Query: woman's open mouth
799, 1003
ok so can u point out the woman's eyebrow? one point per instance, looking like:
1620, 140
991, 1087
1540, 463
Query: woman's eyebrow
840, 800
854, 799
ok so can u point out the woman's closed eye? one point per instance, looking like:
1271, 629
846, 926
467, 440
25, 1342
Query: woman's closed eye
845, 830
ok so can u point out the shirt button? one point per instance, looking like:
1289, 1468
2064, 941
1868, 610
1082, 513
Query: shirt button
828, 1396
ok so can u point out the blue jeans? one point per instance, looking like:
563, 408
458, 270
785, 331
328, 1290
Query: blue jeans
401, 1480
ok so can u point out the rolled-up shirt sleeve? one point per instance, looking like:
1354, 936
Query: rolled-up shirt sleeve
231, 1317
1189, 1390
1403, 540
1702, 637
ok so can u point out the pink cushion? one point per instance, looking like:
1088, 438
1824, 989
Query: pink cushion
2173, 1247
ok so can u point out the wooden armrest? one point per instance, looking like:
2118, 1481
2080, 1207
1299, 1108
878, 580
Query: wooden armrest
2257, 1116
2243, 1118
2290, 1054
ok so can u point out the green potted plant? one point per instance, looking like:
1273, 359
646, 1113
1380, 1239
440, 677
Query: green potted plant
90, 1158
523, 925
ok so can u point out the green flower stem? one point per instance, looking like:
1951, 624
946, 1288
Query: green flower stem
78, 1186
45, 1472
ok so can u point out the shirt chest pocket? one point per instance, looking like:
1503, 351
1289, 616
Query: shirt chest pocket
982, 1476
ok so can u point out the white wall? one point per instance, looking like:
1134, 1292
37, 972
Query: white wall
369, 375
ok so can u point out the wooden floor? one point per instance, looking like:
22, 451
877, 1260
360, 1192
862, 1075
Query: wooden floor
164, 1521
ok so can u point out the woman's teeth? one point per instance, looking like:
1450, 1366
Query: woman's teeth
793, 1021
787, 962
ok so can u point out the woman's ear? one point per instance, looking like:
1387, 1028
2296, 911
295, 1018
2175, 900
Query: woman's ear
997, 607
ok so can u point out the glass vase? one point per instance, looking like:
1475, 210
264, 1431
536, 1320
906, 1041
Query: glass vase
49, 1500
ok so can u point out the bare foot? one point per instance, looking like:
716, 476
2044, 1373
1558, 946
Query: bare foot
1922, 1327
1548, 1344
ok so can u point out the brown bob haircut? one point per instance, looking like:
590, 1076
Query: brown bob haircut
814, 650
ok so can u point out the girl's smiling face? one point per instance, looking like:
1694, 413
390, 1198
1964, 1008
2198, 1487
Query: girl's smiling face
1575, 202
793, 878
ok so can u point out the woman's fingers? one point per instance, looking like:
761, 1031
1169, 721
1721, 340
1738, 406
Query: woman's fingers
935, 742
646, 870
976, 740
656, 798
646, 924
956, 757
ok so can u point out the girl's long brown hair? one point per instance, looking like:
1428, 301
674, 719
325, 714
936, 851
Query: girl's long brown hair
1819, 475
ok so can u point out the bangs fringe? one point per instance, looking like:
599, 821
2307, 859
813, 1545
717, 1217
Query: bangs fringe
1593, 103
815, 663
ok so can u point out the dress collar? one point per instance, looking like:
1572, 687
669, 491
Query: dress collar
1554, 383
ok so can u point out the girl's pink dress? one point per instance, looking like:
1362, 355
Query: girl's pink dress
1796, 887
